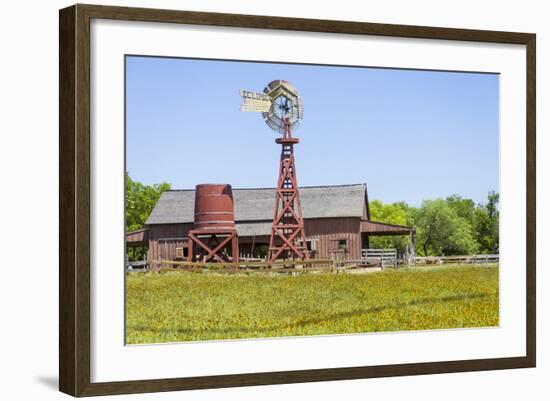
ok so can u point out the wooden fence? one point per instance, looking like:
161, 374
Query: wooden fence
386, 257
289, 266
137, 265
457, 259
372, 258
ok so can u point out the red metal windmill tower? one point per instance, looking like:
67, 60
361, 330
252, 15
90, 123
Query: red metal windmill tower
287, 231
282, 110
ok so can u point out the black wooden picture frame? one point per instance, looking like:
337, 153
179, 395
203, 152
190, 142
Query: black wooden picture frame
74, 199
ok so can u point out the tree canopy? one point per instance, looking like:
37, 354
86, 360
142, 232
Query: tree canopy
140, 201
450, 226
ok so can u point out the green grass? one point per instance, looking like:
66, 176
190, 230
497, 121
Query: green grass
179, 306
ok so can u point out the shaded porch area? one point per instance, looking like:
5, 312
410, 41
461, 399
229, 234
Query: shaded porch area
371, 228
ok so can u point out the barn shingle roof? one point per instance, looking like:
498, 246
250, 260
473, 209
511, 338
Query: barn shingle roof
257, 204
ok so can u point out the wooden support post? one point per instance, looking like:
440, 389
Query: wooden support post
190, 248
252, 246
411, 248
235, 251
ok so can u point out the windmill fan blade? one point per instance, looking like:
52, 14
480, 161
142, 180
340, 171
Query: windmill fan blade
280, 104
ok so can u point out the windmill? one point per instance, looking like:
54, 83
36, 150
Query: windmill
282, 110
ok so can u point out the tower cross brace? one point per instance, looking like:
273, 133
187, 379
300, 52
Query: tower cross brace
287, 239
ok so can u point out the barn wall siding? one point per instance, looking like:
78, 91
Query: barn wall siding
328, 231
165, 238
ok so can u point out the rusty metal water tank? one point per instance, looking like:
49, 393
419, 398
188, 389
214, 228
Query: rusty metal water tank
214, 207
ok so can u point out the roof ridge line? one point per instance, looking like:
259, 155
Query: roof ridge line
256, 188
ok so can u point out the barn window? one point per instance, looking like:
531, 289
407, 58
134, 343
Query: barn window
181, 253
311, 245
340, 244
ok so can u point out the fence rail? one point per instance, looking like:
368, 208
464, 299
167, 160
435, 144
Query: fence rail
289, 266
139, 264
457, 259
249, 265
382, 258
386, 257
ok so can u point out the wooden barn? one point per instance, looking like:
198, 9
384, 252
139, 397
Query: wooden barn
337, 222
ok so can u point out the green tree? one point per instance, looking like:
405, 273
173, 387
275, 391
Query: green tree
394, 213
140, 201
450, 226
464, 208
487, 224
442, 231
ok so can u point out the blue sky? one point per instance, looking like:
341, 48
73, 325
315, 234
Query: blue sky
410, 135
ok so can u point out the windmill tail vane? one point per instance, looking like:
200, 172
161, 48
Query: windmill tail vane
254, 101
